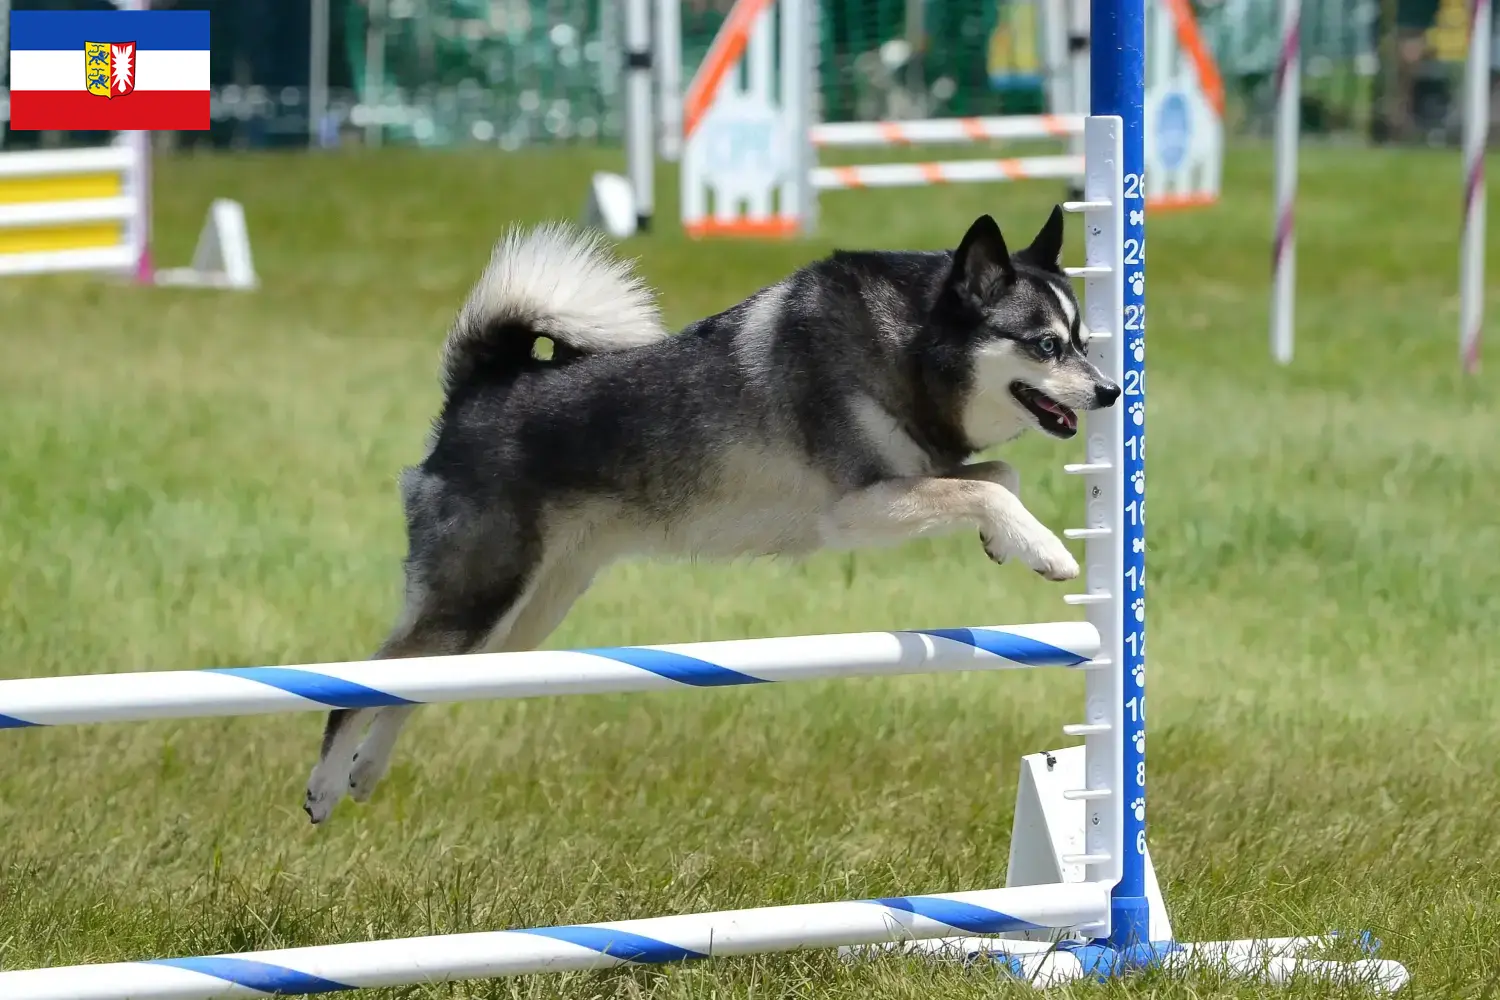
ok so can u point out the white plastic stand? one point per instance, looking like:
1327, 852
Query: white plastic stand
1048, 827
611, 205
222, 258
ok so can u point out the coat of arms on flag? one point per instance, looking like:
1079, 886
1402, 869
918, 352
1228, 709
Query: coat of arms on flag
109, 68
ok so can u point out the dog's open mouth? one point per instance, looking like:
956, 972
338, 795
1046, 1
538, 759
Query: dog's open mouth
1054, 418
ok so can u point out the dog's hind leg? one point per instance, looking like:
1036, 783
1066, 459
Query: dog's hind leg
451, 609
525, 625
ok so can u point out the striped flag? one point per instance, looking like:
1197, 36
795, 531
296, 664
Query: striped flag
109, 70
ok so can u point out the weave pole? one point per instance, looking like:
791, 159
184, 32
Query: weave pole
1288, 128
1476, 139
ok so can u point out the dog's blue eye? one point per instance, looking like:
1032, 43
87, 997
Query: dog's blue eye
1048, 346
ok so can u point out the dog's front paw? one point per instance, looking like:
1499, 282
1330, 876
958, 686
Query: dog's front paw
325, 786
1042, 551
1051, 558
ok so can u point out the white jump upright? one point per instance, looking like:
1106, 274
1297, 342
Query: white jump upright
1081, 898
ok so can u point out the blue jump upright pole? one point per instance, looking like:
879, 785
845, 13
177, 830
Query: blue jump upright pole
1117, 61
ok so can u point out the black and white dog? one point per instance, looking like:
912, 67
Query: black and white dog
834, 409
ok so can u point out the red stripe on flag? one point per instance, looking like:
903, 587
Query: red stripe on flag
78, 109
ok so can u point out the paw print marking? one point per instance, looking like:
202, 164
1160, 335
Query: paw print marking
1138, 608
1138, 413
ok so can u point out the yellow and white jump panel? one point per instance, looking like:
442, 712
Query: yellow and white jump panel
73, 210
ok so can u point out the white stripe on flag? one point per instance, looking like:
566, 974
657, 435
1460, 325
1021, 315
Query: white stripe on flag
36, 69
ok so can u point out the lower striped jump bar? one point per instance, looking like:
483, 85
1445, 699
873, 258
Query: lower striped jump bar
658, 940
53, 701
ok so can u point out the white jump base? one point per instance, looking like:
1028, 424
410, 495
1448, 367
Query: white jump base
1277, 961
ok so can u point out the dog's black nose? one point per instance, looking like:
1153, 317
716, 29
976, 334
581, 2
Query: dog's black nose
1106, 393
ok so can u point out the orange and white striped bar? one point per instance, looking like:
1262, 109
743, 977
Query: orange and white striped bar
948, 172
905, 133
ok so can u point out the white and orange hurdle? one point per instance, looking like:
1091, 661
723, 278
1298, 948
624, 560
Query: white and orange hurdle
836, 135
750, 147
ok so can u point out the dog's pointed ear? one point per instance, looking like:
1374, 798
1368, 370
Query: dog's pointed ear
1046, 250
981, 264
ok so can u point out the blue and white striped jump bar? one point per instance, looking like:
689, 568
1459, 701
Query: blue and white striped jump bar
417, 961
55, 701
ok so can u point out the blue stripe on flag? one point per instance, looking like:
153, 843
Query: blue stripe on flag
67, 30
675, 666
11, 722
334, 692
965, 916
617, 943
273, 979
1011, 646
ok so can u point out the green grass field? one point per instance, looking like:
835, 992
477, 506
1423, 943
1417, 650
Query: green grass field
208, 479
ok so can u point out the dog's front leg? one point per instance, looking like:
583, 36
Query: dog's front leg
898, 509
